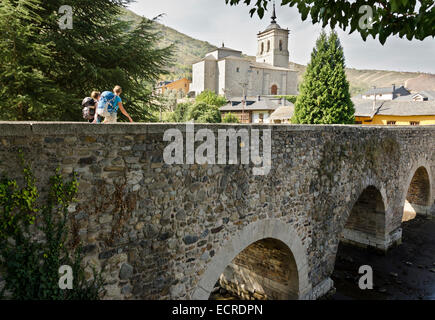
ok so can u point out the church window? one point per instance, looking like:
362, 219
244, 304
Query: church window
274, 90
262, 47
268, 45
280, 45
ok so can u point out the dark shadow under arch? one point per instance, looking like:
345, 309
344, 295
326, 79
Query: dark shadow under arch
265, 270
417, 199
366, 221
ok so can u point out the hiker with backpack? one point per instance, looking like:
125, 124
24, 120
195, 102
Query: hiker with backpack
89, 105
109, 104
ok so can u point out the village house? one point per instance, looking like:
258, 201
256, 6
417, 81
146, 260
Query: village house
180, 86
226, 72
389, 93
401, 108
254, 109
283, 114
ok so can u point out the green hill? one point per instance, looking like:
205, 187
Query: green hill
189, 50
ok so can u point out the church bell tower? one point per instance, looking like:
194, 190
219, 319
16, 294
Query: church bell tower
273, 44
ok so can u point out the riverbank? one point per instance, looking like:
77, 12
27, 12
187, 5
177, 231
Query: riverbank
406, 272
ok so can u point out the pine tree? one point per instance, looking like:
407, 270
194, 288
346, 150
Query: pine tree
100, 51
25, 91
324, 96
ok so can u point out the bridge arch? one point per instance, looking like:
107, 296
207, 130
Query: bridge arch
365, 220
253, 233
417, 195
367, 183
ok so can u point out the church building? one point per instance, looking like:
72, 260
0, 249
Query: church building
225, 72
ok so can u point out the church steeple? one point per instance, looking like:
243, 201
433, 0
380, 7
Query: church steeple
274, 13
273, 44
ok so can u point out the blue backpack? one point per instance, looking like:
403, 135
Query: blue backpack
106, 105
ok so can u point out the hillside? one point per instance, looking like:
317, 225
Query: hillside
189, 50
361, 80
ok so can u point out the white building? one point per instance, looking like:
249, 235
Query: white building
226, 72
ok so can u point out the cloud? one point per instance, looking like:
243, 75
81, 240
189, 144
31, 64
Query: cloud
215, 22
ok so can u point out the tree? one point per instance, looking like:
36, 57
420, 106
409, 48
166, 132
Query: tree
100, 51
211, 98
25, 90
324, 96
230, 118
204, 110
180, 112
204, 113
410, 18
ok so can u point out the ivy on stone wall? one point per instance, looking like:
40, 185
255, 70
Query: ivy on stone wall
34, 241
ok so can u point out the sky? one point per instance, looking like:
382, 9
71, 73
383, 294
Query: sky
216, 22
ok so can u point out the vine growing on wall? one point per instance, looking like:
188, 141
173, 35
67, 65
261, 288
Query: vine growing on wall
33, 241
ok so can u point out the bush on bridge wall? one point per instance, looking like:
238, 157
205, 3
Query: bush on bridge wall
33, 241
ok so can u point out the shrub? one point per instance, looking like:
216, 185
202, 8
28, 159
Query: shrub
31, 268
180, 112
230, 118
290, 98
204, 113
211, 98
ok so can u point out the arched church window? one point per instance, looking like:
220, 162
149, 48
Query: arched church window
280, 45
274, 90
268, 45
262, 47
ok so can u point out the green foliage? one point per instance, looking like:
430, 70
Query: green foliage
324, 96
230, 118
30, 267
290, 98
211, 98
204, 113
46, 72
410, 18
186, 49
180, 112
26, 90
18, 205
204, 110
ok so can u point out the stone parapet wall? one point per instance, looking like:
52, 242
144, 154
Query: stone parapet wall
169, 231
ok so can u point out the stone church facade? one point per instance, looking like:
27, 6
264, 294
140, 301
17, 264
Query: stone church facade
225, 72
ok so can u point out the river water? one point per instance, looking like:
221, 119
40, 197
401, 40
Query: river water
406, 272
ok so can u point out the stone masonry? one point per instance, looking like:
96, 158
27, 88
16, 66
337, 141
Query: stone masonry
172, 231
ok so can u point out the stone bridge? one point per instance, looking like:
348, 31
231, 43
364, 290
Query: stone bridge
171, 231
